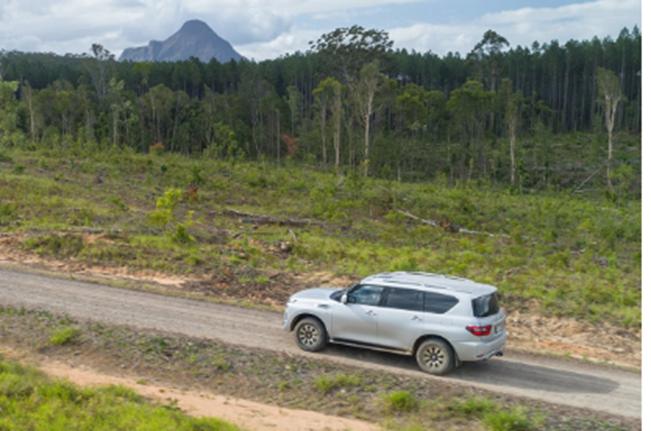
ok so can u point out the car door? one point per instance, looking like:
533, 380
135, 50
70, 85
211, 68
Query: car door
400, 317
356, 320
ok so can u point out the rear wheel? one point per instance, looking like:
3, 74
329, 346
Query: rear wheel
311, 335
435, 356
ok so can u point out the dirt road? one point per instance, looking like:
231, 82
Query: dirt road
558, 381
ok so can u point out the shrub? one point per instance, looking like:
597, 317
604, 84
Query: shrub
515, 419
400, 401
473, 406
65, 335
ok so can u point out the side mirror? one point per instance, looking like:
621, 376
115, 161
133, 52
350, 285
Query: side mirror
344, 298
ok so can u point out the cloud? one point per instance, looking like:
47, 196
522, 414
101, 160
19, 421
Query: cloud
524, 26
262, 29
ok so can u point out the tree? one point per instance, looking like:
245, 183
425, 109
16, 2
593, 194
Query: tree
99, 68
347, 49
364, 90
490, 47
611, 92
329, 98
293, 100
8, 105
512, 106
28, 95
322, 97
469, 106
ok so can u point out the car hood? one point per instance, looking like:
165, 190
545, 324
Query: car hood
317, 293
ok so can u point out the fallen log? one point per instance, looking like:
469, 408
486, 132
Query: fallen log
450, 227
267, 219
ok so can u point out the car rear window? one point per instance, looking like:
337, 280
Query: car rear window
438, 303
485, 305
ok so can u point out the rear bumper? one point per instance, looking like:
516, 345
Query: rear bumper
469, 351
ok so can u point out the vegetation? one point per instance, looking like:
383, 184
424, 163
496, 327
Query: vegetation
531, 158
29, 400
497, 418
569, 254
327, 383
352, 104
64, 335
398, 401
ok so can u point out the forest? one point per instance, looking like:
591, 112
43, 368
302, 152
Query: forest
550, 116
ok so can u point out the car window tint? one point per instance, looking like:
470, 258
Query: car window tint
366, 295
485, 305
438, 303
405, 299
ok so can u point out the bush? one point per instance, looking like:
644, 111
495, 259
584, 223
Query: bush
508, 420
400, 401
65, 335
473, 406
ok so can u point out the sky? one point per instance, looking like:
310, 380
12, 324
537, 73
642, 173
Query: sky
263, 29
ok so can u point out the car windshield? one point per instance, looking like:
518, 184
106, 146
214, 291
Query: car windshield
485, 305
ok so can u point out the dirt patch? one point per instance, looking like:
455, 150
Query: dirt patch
11, 252
535, 333
247, 414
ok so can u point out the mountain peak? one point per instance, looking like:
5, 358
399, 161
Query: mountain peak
194, 25
194, 39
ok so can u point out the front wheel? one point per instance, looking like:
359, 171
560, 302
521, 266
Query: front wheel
311, 335
435, 356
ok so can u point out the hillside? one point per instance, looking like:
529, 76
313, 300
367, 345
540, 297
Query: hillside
194, 39
194, 220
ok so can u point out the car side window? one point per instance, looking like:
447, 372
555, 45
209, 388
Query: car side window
439, 303
366, 295
404, 299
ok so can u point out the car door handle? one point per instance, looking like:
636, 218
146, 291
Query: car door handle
416, 318
371, 313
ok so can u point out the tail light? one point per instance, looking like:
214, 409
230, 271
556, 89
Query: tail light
479, 331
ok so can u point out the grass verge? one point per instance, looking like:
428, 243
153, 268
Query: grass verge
289, 381
31, 401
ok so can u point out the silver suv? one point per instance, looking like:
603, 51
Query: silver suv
442, 320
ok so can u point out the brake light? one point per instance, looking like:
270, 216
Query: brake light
479, 331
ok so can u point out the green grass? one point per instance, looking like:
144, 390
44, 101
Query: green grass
496, 417
570, 255
31, 401
400, 402
330, 383
515, 419
64, 335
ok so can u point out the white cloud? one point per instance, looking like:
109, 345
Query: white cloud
523, 26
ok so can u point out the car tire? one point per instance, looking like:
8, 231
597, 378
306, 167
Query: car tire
311, 335
435, 356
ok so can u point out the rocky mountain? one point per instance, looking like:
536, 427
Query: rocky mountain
194, 39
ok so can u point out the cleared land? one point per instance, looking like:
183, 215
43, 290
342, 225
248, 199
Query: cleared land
561, 253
